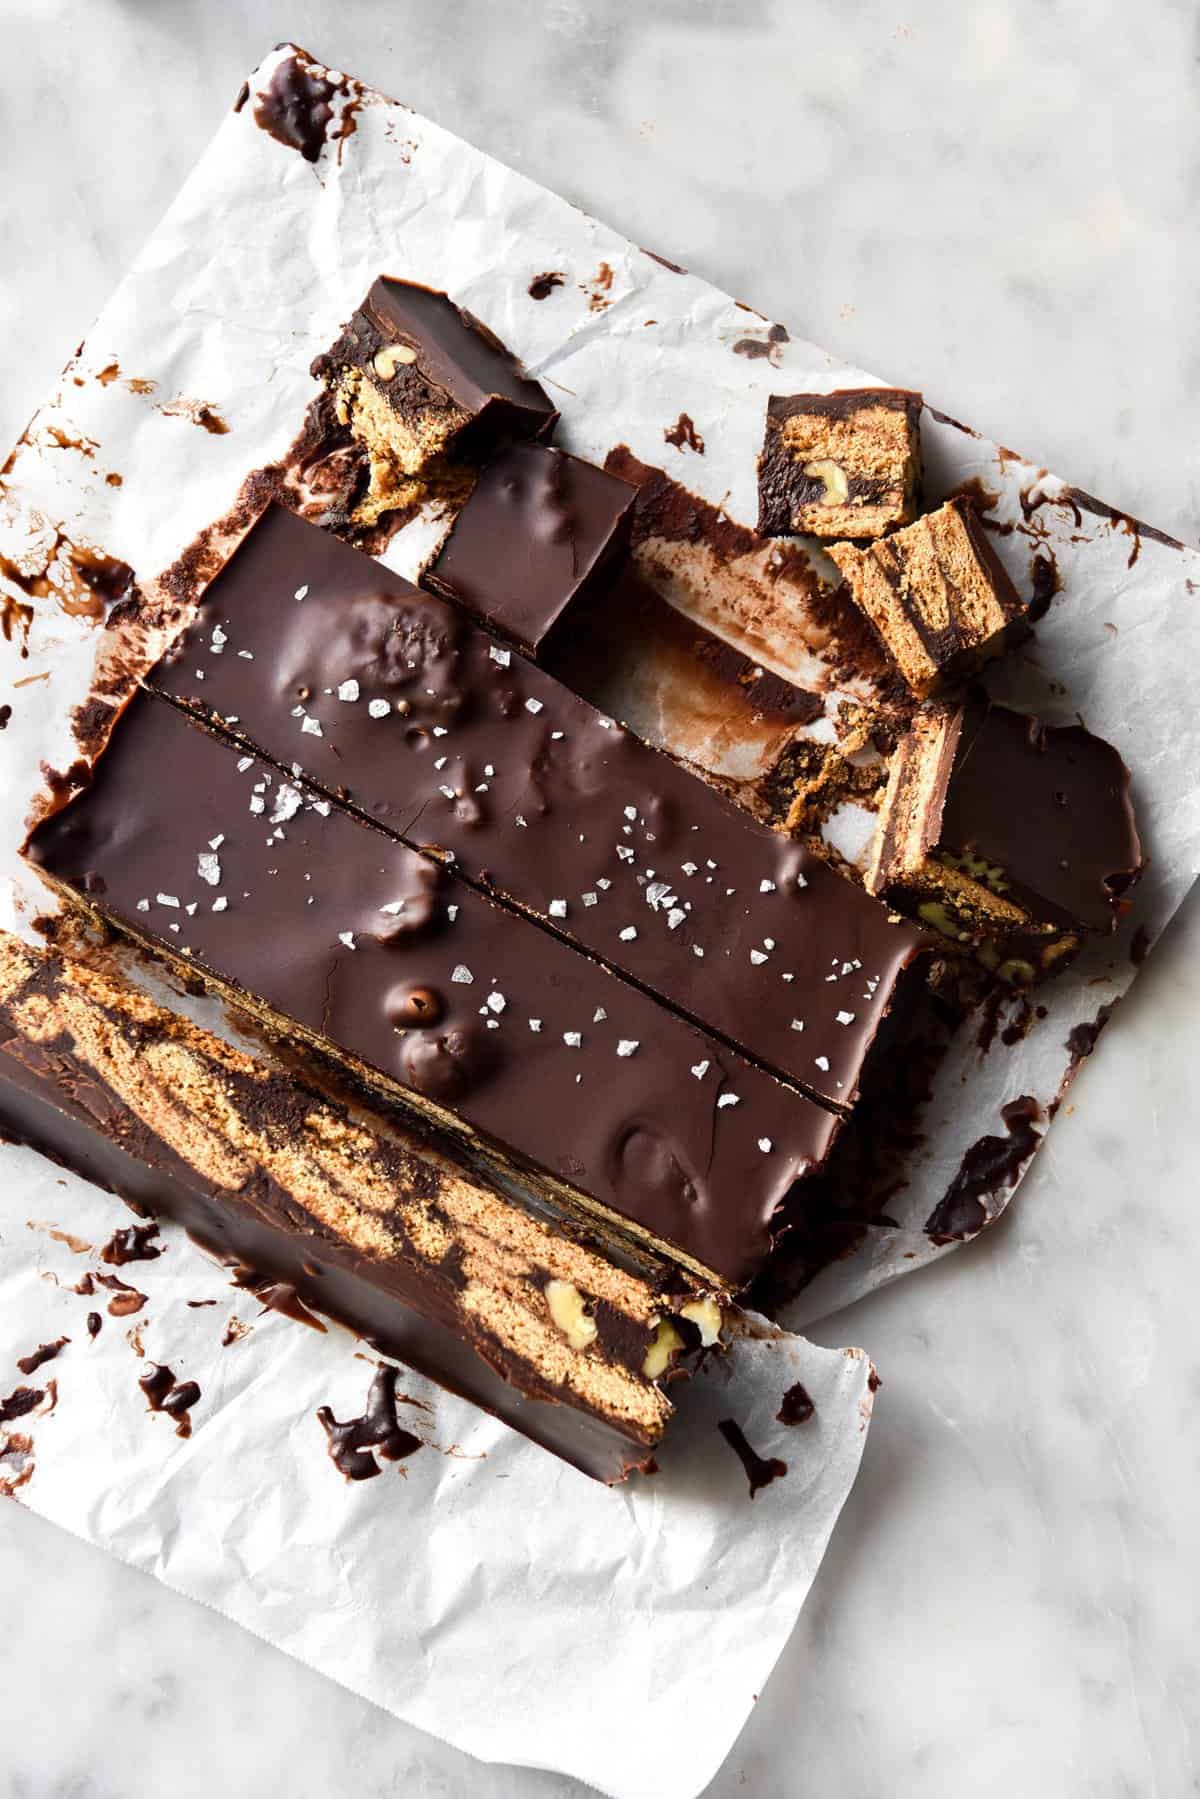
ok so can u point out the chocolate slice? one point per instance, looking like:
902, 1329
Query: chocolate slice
415, 377
513, 1041
1001, 832
540, 530
846, 464
392, 700
936, 593
479, 1289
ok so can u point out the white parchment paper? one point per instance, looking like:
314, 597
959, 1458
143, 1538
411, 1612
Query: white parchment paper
502, 1602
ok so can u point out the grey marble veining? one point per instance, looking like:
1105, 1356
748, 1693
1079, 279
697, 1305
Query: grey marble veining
993, 203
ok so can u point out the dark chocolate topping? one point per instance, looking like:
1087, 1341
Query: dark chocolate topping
539, 527
537, 795
1050, 804
221, 860
845, 402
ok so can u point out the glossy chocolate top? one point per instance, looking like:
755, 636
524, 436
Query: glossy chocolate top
1050, 804
539, 526
449, 740
373, 948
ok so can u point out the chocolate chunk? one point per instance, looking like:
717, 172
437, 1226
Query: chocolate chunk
846, 464
540, 530
415, 378
1012, 836
936, 593
342, 1209
451, 741
541, 1056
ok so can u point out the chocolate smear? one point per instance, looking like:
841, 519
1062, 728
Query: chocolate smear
165, 1394
760, 1471
20, 1401
797, 1406
684, 435
125, 1301
354, 1446
134, 1243
542, 286
990, 1165
29, 1364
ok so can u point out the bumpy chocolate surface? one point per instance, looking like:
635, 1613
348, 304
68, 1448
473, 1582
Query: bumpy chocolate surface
453, 361
1048, 805
845, 464
452, 742
301, 1194
479, 1017
540, 529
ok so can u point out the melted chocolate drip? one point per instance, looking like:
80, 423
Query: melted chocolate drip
378, 1430
684, 435
760, 1471
19, 1402
134, 1243
989, 1166
295, 109
126, 1300
165, 1394
29, 1364
797, 1406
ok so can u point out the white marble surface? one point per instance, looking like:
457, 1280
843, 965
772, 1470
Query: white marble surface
991, 203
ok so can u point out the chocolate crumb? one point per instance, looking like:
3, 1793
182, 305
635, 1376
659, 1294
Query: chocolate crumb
94, 1321
542, 286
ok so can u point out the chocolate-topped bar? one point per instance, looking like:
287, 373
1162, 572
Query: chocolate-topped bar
1001, 832
937, 594
845, 464
521, 1047
540, 529
389, 697
481, 1290
415, 377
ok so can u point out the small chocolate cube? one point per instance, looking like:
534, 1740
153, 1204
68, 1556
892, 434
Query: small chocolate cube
838, 465
540, 530
414, 377
1013, 837
940, 599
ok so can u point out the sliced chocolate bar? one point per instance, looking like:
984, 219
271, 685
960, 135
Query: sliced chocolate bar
481, 1290
846, 464
528, 1052
415, 377
937, 594
540, 529
393, 700
1015, 837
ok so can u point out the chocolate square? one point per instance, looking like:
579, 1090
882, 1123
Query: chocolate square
540, 530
